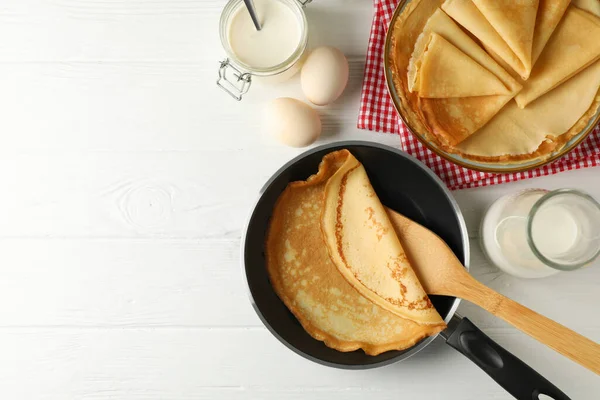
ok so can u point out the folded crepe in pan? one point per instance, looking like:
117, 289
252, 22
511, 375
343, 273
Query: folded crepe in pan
574, 46
310, 285
466, 13
543, 125
365, 249
446, 71
453, 119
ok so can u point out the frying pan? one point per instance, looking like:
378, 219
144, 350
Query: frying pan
407, 186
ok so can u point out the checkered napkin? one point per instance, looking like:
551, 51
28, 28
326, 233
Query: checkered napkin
377, 113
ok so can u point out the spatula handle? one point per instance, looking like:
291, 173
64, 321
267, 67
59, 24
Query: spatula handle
560, 338
554, 335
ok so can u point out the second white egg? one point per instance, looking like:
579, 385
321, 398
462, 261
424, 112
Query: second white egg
324, 75
292, 122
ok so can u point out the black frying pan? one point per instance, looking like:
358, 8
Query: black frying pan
407, 186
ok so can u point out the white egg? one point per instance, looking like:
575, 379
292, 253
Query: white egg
324, 75
292, 122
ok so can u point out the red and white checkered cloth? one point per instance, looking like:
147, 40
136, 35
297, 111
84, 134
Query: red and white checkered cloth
377, 113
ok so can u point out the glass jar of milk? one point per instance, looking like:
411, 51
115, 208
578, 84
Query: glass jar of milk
273, 54
537, 233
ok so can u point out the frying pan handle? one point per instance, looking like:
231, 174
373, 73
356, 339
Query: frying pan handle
516, 377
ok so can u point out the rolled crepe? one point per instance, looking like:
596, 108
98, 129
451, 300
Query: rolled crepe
470, 17
364, 247
574, 46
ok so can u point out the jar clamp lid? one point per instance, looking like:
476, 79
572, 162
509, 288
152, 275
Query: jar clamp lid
236, 86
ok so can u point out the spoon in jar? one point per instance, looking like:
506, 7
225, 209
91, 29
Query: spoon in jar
253, 14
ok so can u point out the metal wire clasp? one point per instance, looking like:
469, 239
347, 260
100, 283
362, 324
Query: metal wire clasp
303, 3
235, 87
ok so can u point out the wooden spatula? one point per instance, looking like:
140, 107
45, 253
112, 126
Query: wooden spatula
441, 273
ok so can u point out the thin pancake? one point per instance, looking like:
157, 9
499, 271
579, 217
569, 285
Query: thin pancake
517, 131
444, 26
365, 249
408, 27
591, 6
448, 72
574, 46
549, 14
468, 15
453, 120
306, 280
515, 22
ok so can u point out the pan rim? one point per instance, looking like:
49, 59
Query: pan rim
341, 144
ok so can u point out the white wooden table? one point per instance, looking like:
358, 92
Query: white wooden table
126, 178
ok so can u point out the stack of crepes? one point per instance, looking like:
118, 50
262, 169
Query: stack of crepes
498, 81
327, 231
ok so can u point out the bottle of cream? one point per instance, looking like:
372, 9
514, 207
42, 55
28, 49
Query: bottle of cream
273, 54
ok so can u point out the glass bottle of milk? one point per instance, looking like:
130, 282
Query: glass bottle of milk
536, 233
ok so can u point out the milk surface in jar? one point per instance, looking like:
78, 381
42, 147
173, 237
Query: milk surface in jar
272, 55
537, 233
275, 43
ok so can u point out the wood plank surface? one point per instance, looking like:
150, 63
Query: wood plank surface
127, 177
